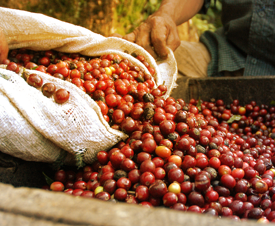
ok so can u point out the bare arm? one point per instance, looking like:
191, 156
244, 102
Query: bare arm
4, 49
159, 31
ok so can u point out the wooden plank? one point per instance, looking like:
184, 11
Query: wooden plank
60, 208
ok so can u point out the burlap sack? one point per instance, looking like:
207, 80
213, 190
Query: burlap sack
35, 128
192, 59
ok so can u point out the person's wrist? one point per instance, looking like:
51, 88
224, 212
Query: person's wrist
163, 14
167, 11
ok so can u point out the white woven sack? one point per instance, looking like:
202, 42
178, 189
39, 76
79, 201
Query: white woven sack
34, 127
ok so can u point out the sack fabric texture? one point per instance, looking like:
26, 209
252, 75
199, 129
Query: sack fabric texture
34, 127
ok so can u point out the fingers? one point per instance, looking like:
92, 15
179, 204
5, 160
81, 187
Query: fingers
143, 38
3, 55
173, 40
165, 37
116, 35
131, 37
4, 49
159, 43
155, 35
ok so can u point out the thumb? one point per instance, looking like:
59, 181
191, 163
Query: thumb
130, 37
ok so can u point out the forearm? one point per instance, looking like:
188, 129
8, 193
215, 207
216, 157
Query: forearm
180, 10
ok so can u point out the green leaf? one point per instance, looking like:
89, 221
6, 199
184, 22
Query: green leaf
272, 102
234, 118
48, 180
199, 104
79, 158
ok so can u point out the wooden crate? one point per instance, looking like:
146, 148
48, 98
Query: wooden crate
245, 89
23, 203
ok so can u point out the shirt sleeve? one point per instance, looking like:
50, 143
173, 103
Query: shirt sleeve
205, 6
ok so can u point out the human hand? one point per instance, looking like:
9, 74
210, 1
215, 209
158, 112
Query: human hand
4, 49
155, 35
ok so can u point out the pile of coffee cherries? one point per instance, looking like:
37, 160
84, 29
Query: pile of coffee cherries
202, 156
